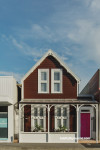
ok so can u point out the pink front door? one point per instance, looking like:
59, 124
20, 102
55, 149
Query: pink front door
85, 125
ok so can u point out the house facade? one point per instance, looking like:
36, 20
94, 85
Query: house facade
50, 110
93, 88
8, 100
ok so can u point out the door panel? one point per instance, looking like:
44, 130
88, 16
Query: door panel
3, 125
85, 125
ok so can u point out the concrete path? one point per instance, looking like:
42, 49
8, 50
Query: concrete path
49, 146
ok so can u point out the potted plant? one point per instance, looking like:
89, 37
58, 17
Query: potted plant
62, 128
38, 128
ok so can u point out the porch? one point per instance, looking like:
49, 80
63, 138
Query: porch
55, 122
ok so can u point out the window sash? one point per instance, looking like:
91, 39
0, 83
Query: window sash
43, 75
56, 76
43, 80
61, 112
41, 112
42, 123
35, 112
35, 122
56, 82
57, 87
58, 123
39, 118
65, 122
64, 112
58, 112
43, 87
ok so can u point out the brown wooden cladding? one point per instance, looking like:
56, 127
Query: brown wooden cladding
52, 118
31, 82
27, 118
72, 119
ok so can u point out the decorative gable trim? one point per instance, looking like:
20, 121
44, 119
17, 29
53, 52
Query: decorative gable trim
50, 53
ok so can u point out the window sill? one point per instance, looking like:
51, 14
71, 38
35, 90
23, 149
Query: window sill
43, 93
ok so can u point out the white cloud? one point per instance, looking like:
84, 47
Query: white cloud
95, 5
18, 76
24, 48
37, 32
87, 34
29, 51
17, 44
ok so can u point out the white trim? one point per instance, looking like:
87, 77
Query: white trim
22, 95
91, 111
53, 81
77, 88
97, 123
38, 117
50, 52
44, 81
62, 117
43, 100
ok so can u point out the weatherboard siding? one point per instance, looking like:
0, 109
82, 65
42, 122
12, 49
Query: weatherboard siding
69, 88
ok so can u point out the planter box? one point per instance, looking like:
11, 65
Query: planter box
62, 137
33, 137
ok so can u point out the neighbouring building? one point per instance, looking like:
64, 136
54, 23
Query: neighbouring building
93, 88
8, 101
50, 110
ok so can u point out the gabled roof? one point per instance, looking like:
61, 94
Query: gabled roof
50, 53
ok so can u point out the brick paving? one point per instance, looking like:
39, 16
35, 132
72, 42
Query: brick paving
87, 141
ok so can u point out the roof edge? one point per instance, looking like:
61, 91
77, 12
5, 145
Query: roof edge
48, 53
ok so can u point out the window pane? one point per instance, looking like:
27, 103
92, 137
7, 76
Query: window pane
64, 112
58, 111
35, 112
43, 76
41, 123
35, 122
58, 123
4, 125
43, 87
65, 122
41, 111
57, 87
56, 75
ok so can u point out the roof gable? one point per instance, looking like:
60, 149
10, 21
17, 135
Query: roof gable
50, 53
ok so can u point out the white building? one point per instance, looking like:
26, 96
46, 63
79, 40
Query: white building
8, 101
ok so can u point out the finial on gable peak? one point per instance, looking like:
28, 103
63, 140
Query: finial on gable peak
50, 52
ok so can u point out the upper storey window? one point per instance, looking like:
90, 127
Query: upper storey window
56, 80
43, 80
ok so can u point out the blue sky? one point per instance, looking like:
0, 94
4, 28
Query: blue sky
28, 28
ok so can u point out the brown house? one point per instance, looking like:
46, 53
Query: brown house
50, 108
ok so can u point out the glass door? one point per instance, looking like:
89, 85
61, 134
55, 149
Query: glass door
3, 123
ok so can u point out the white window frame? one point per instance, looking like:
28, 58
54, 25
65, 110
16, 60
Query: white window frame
38, 117
56, 81
62, 117
43, 81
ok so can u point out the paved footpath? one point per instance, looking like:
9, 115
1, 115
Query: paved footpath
49, 146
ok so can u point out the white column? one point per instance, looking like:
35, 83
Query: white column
97, 123
11, 123
48, 121
77, 120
